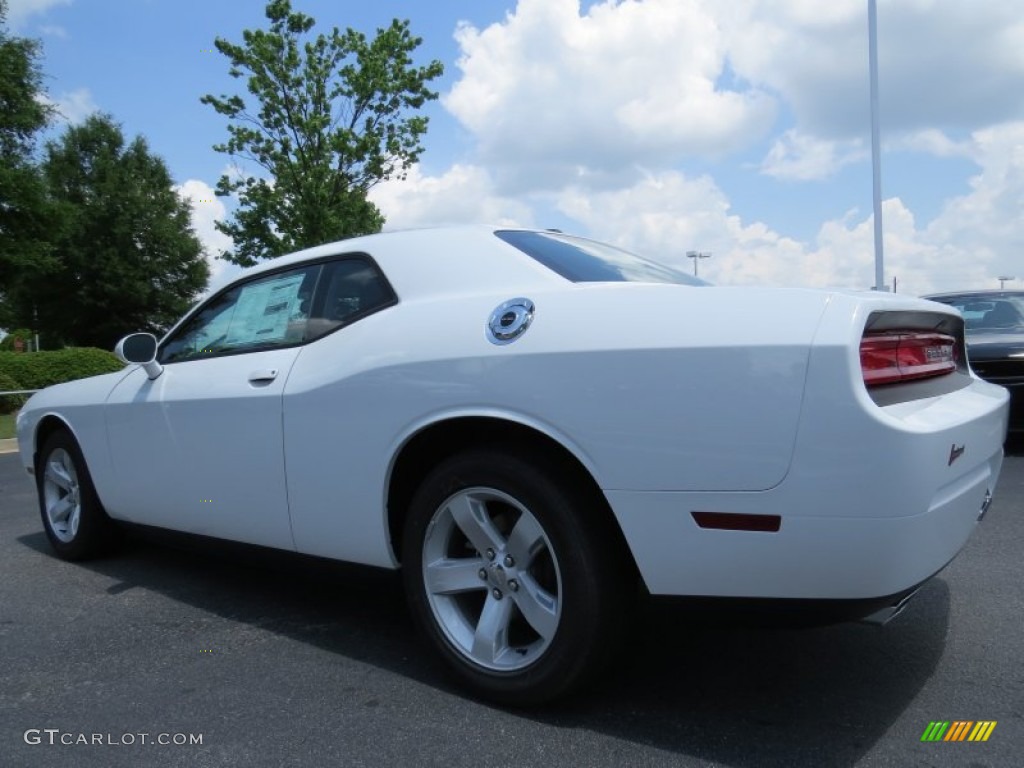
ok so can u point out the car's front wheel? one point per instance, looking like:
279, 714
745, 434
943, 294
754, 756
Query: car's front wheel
513, 576
75, 521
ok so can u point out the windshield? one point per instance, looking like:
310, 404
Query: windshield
989, 313
587, 261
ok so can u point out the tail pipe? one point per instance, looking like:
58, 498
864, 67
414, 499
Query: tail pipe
882, 617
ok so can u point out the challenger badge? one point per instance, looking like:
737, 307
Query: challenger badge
955, 453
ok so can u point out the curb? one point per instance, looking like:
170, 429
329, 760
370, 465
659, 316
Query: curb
9, 445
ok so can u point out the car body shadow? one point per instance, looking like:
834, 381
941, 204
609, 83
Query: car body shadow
760, 696
717, 692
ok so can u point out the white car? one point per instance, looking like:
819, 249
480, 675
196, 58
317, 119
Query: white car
530, 425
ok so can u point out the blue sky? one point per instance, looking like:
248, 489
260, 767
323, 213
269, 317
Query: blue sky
737, 128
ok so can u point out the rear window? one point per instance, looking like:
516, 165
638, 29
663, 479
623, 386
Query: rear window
587, 261
988, 313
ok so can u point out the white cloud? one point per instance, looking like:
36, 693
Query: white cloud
18, 11
667, 214
553, 96
941, 64
235, 172
984, 226
72, 106
596, 110
462, 195
974, 239
207, 210
797, 156
931, 141
556, 95
52, 30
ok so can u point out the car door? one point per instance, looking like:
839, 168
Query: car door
199, 448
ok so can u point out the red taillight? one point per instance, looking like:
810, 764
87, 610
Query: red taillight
887, 358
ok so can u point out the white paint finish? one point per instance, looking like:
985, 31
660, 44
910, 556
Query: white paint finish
890, 460
77, 405
616, 384
870, 506
674, 398
844, 554
199, 449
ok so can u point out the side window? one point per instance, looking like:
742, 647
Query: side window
269, 312
350, 288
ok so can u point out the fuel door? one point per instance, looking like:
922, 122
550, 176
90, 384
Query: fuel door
509, 321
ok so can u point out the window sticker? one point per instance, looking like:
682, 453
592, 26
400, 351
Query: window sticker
262, 312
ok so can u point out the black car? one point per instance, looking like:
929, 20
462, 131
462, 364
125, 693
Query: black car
995, 340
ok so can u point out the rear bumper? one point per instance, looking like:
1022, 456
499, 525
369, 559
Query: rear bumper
812, 557
871, 507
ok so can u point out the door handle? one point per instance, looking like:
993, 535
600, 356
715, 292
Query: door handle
266, 375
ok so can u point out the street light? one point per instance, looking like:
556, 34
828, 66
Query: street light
1002, 280
696, 255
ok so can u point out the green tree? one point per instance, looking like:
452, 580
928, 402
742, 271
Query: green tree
126, 257
26, 217
335, 116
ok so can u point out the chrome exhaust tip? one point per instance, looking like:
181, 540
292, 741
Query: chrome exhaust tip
985, 504
882, 617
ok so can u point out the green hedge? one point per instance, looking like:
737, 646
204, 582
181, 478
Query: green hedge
35, 370
10, 403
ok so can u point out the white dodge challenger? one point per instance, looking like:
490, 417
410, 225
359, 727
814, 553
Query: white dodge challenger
530, 425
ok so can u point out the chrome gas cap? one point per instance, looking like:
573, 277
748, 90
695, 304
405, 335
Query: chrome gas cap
509, 321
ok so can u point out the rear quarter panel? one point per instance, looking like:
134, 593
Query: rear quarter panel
652, 387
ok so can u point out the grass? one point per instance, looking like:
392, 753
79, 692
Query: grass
6, 425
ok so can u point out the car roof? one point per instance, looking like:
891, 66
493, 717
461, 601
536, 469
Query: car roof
423, 262
993, 293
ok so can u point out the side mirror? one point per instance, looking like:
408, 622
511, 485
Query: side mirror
140, 349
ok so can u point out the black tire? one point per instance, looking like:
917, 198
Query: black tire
62, 481
575, 559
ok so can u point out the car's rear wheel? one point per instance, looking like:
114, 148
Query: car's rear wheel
75, 521
513, 576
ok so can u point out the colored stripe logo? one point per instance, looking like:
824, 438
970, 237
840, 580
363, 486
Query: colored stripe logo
958, 730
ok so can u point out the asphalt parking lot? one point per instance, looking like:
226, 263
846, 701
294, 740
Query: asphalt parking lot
279, 661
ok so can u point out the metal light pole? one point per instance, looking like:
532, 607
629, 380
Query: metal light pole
1002, 280
697, 256
876, 160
